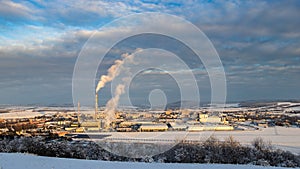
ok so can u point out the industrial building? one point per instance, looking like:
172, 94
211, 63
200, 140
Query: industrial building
153, 127
197, 128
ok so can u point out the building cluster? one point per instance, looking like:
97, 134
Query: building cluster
41, 125
61, 122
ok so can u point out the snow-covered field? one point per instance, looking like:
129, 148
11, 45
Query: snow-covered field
280, 137
26, 161
20, 114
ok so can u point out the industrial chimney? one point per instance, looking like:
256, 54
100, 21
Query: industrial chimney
96, 105
78, 112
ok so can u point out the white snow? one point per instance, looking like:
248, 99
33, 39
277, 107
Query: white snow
20, 114
281, 137
26, 161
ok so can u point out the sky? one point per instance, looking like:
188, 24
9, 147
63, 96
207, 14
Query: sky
258, 43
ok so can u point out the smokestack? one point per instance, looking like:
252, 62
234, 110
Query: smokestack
96, 105
78, 112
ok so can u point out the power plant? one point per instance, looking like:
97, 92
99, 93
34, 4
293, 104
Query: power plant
112, 72
110, 119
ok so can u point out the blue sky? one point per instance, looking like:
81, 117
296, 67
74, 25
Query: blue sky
258, 43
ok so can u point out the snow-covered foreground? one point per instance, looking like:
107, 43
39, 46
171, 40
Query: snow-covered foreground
26, 161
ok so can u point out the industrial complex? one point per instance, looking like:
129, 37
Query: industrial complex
61, 120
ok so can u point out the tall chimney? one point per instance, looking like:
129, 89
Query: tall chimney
78, 112
96, 105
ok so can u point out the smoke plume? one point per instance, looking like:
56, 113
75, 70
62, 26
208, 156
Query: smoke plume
113, 72
112, 104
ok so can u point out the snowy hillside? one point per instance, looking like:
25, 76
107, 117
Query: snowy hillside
25, 161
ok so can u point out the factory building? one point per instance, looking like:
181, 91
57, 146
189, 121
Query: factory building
92, 126
178, 127
204, 118
196, 128
153, 127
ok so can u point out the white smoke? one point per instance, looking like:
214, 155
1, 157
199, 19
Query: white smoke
112, 104
113, 72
